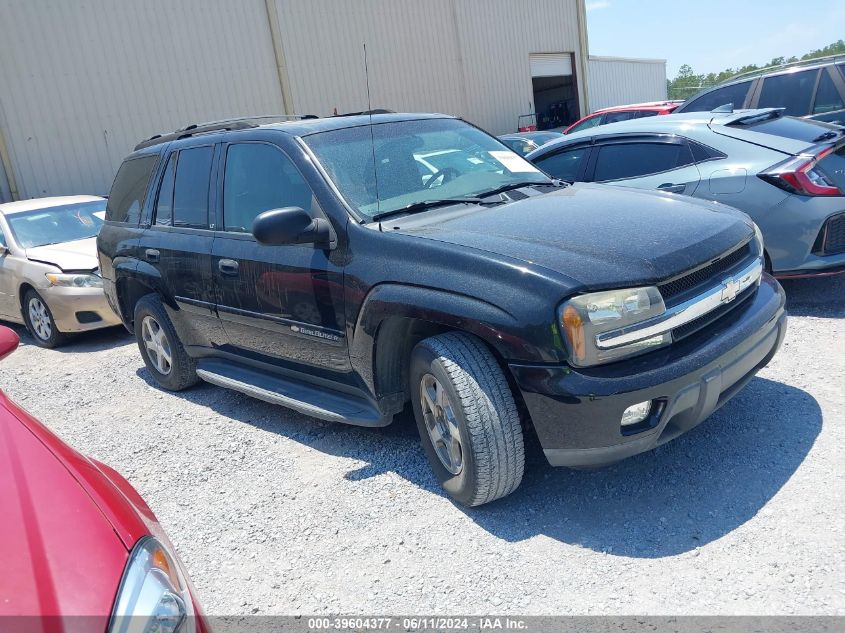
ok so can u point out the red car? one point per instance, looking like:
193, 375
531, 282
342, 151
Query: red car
623, 113
80, 548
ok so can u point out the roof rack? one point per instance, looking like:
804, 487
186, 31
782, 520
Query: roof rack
223, 125
798, 64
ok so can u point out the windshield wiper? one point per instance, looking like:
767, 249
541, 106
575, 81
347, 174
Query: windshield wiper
518, 185
826, 136
422, 205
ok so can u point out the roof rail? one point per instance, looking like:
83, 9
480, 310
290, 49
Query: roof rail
240, 123
798, 64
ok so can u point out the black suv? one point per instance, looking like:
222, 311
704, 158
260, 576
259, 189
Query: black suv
814, 89
348, 265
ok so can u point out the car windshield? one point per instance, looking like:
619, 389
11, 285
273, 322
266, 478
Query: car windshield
54, 225
418, 161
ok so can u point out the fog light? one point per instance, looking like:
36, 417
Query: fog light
636, 413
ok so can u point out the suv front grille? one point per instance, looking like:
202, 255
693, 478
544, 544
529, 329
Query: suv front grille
703, 321
833, 235
703, 276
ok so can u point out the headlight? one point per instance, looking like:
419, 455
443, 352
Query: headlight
582, 319
153, 596
74, 281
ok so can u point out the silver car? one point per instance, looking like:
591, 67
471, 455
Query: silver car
788, 174
49, 275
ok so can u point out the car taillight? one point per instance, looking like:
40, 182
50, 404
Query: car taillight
801, 175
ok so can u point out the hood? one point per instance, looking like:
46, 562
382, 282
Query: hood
598, 235
60, 553
76, 255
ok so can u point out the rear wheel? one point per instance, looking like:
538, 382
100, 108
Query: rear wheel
162, 351
39, 321
467, 418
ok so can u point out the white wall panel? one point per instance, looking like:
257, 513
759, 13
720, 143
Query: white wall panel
83, 82
618, 81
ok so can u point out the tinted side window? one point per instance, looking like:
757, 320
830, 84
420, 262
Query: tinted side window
190, 194
828, 98
615, 117
792, 91
129, 189
646, 113
631, 160
164, 204
734, 94
563, 165
258, 178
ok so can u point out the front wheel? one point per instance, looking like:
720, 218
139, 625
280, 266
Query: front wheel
467, 418
39, 321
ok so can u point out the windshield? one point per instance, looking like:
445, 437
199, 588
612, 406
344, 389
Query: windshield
57, 224
418, 161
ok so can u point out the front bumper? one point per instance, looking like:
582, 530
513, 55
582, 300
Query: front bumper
577, 413
79, 309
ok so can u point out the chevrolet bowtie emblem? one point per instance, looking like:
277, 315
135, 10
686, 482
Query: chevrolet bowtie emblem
730, 288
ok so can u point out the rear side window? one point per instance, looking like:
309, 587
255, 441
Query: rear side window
190, 191
734, 94
258, 178
564, 165
616, 117
828, 98
632, 160
164, 204
129, 189
792, 91
646, 113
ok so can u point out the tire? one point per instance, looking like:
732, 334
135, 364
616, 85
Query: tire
489, 462
162, 351
39, 321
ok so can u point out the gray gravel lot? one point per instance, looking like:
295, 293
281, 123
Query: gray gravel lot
274, 512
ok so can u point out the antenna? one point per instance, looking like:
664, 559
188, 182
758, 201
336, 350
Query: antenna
372, 133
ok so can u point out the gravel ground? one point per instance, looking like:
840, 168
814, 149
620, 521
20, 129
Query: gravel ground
274, 512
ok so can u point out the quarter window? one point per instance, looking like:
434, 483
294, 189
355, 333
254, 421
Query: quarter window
190, 192
129, 189
564, 165
792, 91
258, 178
632, 160
616, 117
734, 94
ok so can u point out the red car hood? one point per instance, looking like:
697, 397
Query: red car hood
61, 552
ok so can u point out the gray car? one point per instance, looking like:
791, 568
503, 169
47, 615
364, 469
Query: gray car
788, 174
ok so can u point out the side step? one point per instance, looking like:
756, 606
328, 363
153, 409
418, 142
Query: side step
318, 402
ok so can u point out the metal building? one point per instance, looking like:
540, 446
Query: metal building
621, 80
82, 82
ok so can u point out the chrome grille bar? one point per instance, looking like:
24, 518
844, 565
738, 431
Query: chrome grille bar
689, 310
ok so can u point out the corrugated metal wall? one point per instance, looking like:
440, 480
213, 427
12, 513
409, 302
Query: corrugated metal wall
619, 81
82, 82
463, 57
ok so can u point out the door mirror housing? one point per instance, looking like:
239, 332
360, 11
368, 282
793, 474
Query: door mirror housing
291, 225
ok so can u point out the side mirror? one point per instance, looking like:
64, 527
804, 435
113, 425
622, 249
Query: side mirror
8, 341
291, 225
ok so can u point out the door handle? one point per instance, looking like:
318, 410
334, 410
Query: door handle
152, 255
228, 267
672, 188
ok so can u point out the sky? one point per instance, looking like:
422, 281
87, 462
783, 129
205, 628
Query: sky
712, 35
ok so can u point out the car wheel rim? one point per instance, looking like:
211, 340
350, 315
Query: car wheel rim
157, 345
441, 424
39, 318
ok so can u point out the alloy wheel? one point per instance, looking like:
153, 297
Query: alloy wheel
39, 318
441, 424
157, 345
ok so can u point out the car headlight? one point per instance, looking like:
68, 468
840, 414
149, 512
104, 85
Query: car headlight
75, 281
153, 596
584, 318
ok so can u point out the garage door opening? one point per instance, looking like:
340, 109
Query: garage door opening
555, 90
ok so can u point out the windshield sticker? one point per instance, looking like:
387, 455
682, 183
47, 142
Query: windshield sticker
513, 163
